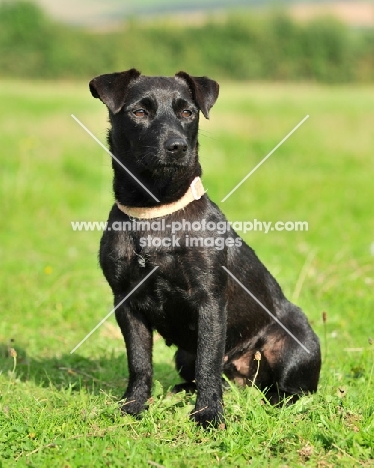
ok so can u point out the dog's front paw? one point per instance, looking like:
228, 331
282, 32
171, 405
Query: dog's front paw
209, 416
133, 407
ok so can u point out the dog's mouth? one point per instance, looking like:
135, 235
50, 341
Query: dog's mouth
172, 164
161, 159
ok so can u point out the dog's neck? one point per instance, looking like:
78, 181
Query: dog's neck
167, 184
195, 192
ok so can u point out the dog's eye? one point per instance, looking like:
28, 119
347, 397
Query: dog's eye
186, 113
140, 112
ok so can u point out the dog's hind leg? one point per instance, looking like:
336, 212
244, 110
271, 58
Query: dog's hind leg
295, 374
295, 368
185, 365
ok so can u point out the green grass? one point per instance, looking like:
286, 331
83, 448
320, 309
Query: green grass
60, 410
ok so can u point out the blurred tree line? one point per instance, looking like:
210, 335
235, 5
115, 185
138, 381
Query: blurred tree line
242, 46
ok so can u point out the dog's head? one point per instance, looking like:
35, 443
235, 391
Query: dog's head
155, 117
154, 121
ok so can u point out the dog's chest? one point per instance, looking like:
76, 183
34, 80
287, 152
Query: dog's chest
170, 300
169, 297
126, 259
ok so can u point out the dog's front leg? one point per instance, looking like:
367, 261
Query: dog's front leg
138, 339
210, 351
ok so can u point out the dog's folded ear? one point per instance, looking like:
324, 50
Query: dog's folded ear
204, 91
111, 88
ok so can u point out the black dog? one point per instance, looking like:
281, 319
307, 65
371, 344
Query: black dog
191, 299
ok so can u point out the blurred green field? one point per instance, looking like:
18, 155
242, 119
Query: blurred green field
58, 409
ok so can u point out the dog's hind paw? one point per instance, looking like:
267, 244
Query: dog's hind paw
188, 387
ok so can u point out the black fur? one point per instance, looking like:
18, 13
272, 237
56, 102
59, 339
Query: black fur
190, 300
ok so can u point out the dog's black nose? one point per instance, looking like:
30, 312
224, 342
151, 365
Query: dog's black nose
176, 146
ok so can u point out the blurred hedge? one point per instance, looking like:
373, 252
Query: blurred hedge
242, 46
